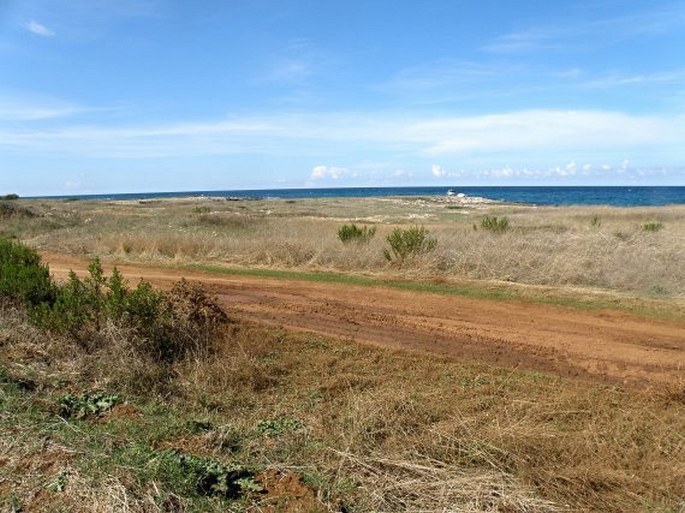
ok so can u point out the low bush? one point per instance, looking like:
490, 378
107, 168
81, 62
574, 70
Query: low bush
652, 227
407, 242
24, 280
495, 224
162, 325
353, 233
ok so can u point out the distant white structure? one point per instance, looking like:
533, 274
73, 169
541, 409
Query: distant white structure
450, 192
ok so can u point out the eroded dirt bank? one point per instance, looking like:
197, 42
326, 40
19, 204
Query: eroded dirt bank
606, 346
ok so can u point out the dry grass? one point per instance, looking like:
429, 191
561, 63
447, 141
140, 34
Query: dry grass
596, 247
371, 430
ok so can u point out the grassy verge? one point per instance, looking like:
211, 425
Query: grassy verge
482, 290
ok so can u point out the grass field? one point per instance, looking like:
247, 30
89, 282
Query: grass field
636, 251
276, 421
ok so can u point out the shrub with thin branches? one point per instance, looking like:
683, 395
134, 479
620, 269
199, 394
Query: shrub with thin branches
408, 242
353, 233
495, 224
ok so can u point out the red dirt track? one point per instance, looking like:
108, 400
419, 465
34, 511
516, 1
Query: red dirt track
606, 346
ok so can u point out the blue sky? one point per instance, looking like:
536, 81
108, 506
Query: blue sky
104, 96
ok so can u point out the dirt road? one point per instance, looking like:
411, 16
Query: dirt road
606, 346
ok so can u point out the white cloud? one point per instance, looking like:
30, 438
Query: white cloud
334, 173
438, 171
38, 28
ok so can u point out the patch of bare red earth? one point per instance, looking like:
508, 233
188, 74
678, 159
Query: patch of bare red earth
607, 346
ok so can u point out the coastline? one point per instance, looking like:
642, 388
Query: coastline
530, 195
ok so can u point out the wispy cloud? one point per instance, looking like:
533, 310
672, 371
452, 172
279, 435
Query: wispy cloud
565, 35
439, 74
27, 106
38, 28
617, 79
524, 41
289, 70
531, 133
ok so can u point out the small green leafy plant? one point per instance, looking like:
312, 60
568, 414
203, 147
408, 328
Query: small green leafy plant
279, 426
408, 242
353, 233
87, 404
194, 475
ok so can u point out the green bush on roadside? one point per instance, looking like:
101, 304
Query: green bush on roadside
163, 325
407, 242
353, 233
23, 279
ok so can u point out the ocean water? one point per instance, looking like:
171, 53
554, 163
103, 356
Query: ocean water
629, 196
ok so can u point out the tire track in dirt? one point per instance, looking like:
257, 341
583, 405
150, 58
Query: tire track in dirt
607, 346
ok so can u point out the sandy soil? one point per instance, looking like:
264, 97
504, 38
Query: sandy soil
607, 346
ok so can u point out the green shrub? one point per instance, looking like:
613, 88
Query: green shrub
407, 242
652, 227
23, 279
352, 233
495, 224
202, 209
9, 197
162, 325
595, 222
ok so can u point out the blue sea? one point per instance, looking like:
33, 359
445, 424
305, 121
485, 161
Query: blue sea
629, 196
